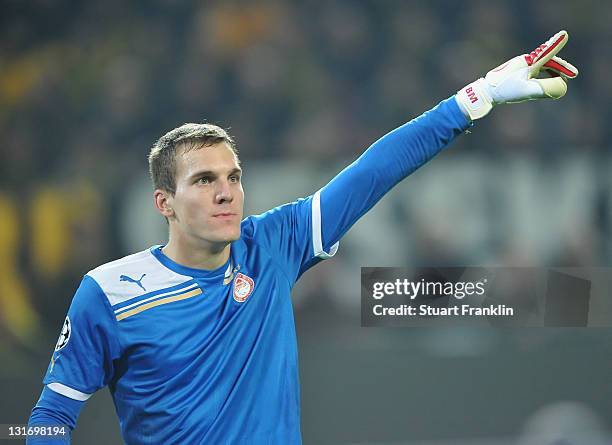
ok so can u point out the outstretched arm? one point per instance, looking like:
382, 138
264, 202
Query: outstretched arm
362, 184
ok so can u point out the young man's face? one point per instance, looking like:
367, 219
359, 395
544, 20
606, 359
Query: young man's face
208, 203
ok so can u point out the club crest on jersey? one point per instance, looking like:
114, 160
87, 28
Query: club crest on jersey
64, 335
243, 286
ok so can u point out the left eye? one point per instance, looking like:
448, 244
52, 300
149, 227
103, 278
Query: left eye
204, 180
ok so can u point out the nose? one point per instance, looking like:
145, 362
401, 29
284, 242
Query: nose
223, 193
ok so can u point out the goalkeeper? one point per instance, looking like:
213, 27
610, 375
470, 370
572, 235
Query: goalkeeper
196, 339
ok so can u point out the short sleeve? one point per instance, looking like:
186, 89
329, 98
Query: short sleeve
292, 233
82, 361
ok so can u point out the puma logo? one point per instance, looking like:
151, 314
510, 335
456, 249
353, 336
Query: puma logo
132, 280
228, 279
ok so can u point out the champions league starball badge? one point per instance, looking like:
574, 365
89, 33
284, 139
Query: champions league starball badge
64, 335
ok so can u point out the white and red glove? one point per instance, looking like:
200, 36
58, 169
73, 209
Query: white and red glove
516, 80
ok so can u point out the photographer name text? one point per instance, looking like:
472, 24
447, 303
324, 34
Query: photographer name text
424, 310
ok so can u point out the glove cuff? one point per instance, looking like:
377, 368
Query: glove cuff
475, 99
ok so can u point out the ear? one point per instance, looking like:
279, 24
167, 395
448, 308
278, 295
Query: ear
163, 202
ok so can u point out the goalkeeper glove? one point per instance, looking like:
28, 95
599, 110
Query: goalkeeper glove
516, 80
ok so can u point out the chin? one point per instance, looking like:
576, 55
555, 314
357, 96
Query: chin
233, 237
228, 236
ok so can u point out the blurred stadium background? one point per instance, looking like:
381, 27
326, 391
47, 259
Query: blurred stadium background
305, 87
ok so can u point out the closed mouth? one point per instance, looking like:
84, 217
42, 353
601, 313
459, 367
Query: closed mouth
224, 214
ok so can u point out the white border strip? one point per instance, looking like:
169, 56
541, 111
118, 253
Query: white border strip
317, 236
177, 291
68, 392
228, 272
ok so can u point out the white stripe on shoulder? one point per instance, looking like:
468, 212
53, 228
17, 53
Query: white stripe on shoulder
134, 275
156, 296
317, 234
68, 392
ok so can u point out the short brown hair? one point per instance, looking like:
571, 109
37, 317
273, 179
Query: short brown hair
162, 157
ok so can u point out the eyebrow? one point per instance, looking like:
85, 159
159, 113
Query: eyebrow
215, 174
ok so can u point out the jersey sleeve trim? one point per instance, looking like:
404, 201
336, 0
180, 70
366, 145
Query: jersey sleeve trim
317, 234
68, 392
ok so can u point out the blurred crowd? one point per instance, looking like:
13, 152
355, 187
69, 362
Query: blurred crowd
87, 87
304, 87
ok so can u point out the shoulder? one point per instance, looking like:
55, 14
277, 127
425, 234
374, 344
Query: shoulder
127, 263
277, 218
133, 276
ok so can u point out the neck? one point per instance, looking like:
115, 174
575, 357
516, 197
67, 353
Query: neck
197, 256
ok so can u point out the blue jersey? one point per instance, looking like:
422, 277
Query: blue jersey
210, 357
193, 356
